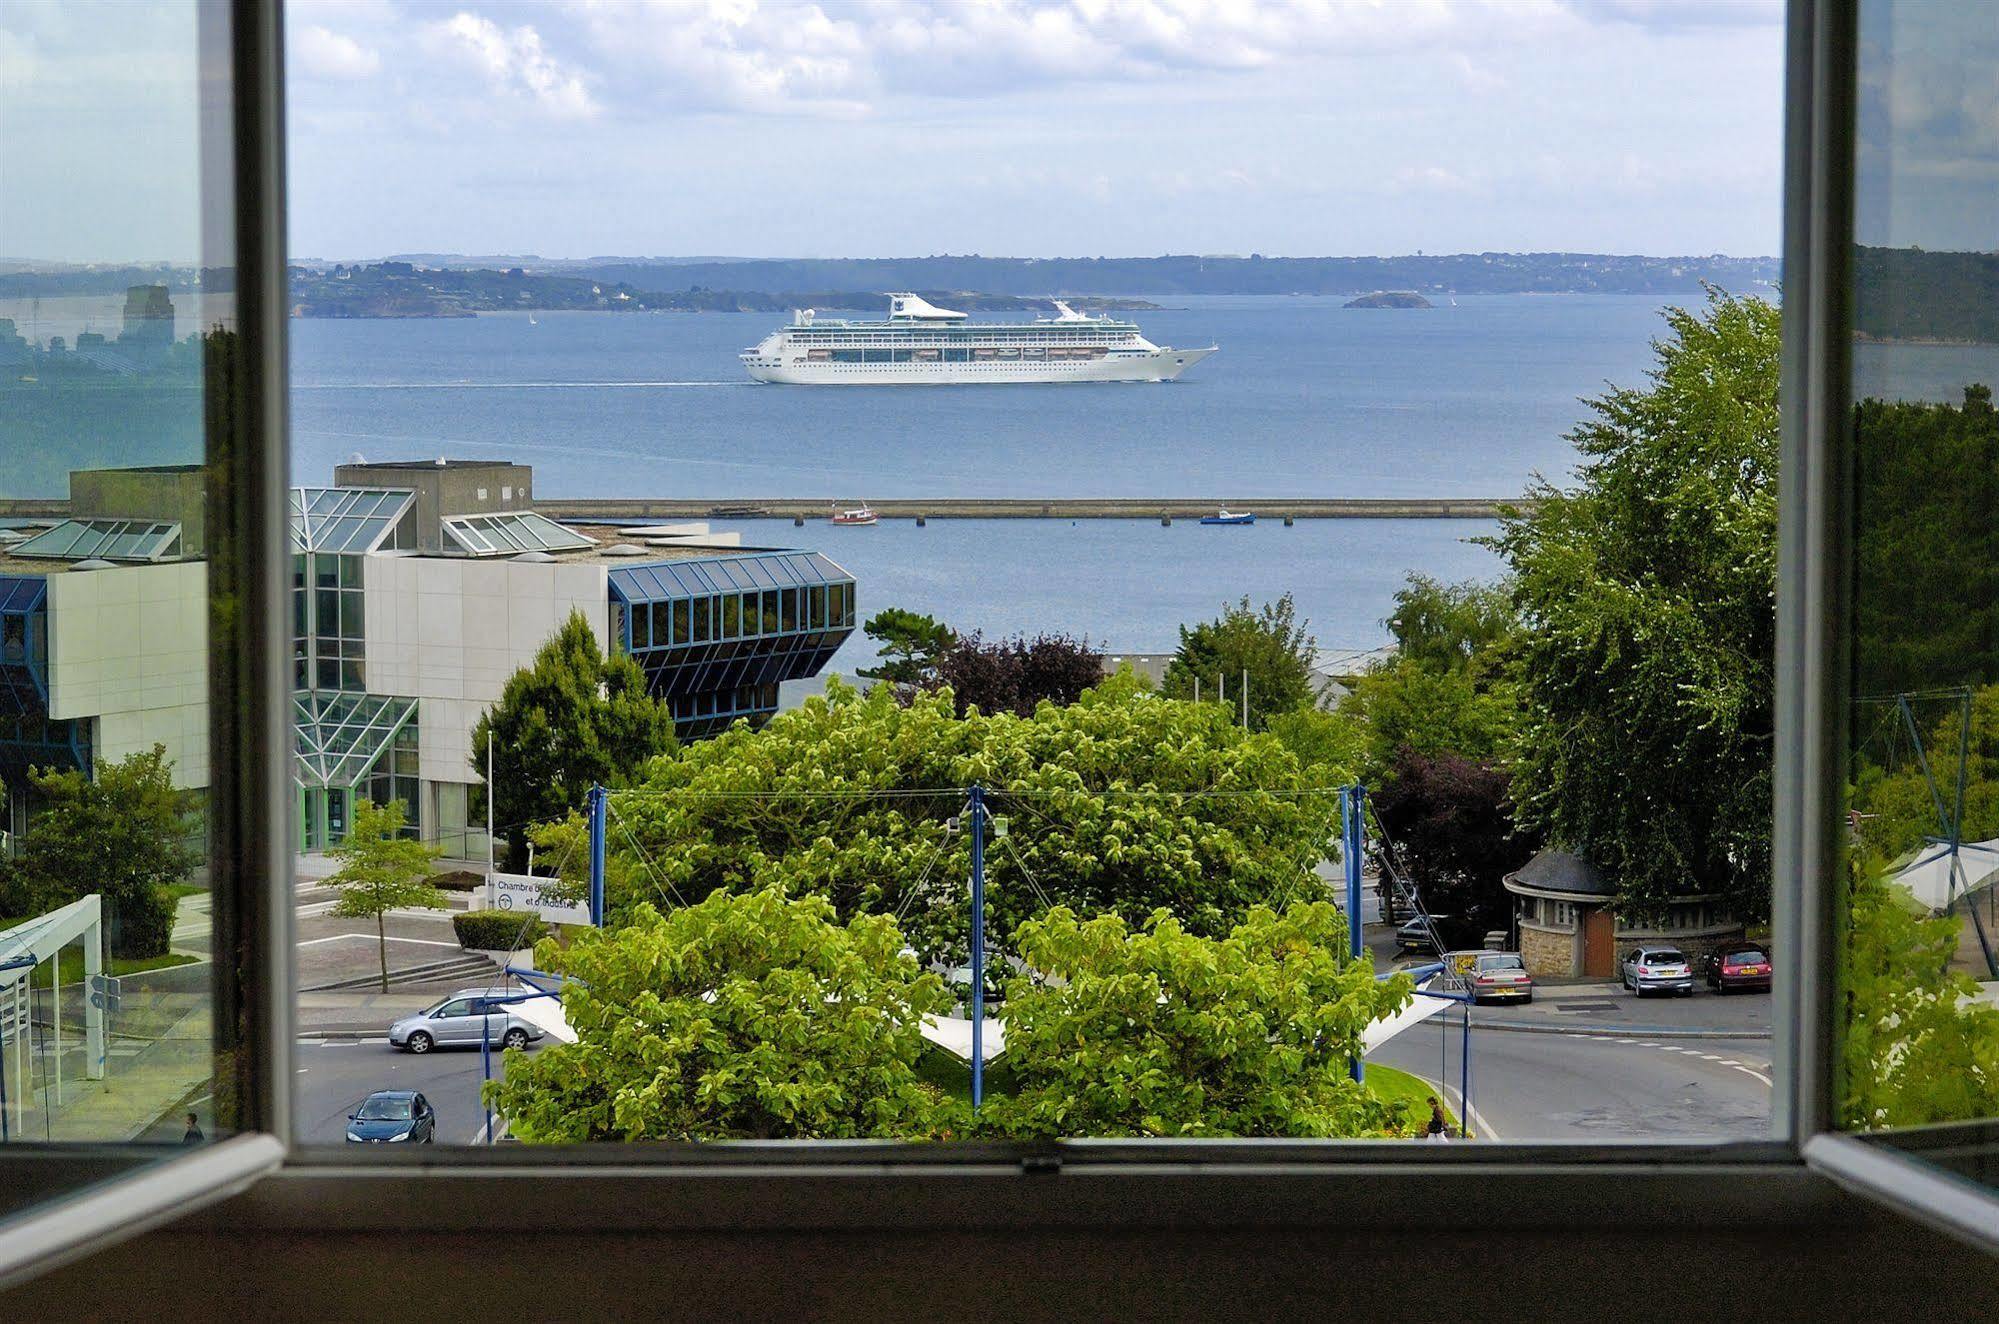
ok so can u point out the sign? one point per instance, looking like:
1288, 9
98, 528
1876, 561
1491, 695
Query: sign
106, 992
522, 891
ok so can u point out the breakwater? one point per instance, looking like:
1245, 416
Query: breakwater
616, 510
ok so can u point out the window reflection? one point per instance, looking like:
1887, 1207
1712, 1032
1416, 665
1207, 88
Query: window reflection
113, 315
1922, 1042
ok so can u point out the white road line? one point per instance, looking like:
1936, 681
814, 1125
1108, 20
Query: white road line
1709, 1057
1728, 1061
347, 937
1759, 1075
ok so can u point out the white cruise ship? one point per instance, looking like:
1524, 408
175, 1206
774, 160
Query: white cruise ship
920, 343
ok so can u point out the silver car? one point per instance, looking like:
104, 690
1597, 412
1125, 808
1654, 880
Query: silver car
458, 1020
1658, 970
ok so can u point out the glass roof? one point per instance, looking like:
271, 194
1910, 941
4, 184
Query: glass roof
342, 734
345, 519
104, 539
22, 593
697, 578
509, 532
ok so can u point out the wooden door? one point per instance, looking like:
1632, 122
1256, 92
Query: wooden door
1599, 943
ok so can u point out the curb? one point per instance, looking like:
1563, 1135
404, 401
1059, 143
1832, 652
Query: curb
1617, 1031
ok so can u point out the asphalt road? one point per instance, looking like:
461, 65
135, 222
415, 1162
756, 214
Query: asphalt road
335, 1076
1556, 1085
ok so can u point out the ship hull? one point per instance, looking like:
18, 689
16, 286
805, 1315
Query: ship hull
1161, 365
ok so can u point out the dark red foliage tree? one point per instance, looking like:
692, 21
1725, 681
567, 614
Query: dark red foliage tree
1450, 821
1013, 675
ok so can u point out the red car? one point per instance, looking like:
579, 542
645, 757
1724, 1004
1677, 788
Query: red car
1745, 967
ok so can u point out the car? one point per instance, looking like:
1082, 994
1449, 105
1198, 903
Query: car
1424, 933
1742, 966
1660, 969
1495, 976
458, 1020
392, 1117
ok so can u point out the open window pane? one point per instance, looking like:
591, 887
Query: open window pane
1921, 1050
127, 390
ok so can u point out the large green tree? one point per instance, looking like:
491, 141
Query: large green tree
381, 870
751, 1016
573, 719
1155, 1031
1646, 595
124, 835
1119, 802
1266, 647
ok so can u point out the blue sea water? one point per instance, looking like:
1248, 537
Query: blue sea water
1306, 398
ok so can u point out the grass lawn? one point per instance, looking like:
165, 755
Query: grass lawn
1412, 1092
179, 890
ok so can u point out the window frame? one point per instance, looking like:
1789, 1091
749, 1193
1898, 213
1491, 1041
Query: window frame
1789, 1178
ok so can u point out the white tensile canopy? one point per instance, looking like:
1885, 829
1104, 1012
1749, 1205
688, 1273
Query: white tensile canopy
1938, 876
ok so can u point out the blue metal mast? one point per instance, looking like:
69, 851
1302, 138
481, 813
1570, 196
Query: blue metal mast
978, 945
1353, 806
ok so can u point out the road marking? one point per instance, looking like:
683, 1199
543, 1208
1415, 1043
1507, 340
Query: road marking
1710, 1057
1759, 1075
371, 937
1728, 1061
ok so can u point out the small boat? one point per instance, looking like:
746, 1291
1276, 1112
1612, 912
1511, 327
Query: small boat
1227, 516
861, 514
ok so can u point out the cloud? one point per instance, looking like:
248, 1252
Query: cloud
1667, 14
323, 53
516, 62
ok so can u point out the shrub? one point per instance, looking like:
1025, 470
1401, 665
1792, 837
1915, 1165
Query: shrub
498, 930
142, 922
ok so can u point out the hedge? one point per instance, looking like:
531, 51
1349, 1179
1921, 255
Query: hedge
497, 930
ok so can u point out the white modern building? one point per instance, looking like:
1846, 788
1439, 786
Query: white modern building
418, 590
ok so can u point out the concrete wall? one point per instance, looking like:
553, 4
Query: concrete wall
129, 647
451, 633
170, 493
459, 488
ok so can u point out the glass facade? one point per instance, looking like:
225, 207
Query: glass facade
351, 747
328, 635
717, 635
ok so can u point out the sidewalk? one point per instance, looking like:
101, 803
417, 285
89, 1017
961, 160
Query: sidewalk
144, 1078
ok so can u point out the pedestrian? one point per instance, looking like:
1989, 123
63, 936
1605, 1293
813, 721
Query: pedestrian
193, 1135
1439, 1130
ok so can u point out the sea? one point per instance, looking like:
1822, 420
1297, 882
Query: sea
1470, 398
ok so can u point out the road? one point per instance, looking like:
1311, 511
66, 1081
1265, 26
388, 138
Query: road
1562, 1085
334, 1076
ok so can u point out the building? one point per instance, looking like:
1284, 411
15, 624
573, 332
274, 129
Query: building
417, 591
1569, 928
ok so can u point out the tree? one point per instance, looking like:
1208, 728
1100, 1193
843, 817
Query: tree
381, 870
1266, 645
1449, 821
1918, 1050
1408, 707
1160, 1032
571, 720
747, 1016
1451, 627
1646, 595
911, 646
123, 836
1015, 675
1118, 802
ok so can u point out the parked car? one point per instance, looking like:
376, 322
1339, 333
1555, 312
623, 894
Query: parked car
391, 1117
457, 1019
1498, 977
1657, 970
1424, 933
1744, 966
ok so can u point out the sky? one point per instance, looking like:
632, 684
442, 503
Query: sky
766, 128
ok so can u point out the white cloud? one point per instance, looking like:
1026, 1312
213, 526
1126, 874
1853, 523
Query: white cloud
515, 61
324, 53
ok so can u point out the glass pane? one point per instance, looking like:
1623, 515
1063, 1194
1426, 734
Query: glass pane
1271, 663
115, 303
1922, 952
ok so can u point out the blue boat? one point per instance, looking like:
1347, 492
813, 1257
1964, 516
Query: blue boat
1226, 516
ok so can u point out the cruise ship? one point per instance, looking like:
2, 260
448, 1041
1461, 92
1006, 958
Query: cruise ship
921, 343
